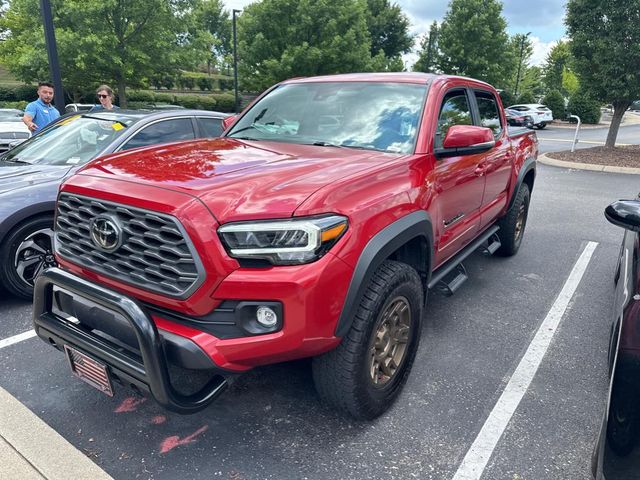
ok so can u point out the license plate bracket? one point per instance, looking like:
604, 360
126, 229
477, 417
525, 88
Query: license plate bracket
89, 370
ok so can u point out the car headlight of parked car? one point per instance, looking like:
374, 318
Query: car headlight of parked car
283, 242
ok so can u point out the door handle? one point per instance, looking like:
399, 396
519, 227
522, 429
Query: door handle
480, 169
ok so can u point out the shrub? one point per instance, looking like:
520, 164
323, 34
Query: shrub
141, 96
165, 98
582, 105
168, 82
526, 97
203, 102
225, 83
224, 102
7, 94
26, 92
507, 98
555, 101
205, 83
187, 83
19, 105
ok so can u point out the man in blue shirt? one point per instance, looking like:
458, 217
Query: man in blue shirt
40, 113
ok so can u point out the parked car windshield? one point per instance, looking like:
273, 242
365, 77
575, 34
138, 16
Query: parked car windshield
368, 115
71, 141
10, 115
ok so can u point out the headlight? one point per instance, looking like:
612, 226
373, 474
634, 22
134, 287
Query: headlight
283, 242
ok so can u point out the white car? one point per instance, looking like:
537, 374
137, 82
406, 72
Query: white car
540, 114
12, 130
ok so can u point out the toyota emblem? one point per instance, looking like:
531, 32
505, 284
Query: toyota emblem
106, 234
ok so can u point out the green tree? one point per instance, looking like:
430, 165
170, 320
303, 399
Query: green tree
211, 15
558, 60
278, 39
112, 41
604, 42
428, 51
473, 41
521, 49
570, 83
584, 106
389, 29
532, 82
555, 101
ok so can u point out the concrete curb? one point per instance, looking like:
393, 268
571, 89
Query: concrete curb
29, 448
542, 158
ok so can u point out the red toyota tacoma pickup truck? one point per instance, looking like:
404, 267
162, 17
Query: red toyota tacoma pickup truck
313, 228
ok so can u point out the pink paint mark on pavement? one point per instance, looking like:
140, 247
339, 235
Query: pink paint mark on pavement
130, 404
158, 419
174, 441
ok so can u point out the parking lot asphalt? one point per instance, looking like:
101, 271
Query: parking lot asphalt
270, 424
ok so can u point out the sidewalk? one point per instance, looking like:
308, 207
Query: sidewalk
542, 158
30, 449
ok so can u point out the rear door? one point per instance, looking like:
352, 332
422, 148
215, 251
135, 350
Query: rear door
496, 164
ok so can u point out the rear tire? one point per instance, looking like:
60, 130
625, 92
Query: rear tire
25, 253
512, 225
366, 372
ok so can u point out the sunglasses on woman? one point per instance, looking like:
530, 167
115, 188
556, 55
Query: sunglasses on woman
102, 96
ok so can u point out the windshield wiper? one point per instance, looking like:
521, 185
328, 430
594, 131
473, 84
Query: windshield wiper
322, 143
246, 138
248, 127
16, 160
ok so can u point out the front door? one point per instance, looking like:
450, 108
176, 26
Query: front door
458, 182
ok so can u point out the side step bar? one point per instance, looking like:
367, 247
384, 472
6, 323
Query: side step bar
451, 275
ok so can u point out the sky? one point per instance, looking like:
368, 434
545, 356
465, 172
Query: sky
543, 18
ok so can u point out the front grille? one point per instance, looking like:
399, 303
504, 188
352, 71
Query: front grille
154, 253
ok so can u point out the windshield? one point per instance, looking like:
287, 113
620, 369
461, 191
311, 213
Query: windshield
10, 115
72, 141
369, 115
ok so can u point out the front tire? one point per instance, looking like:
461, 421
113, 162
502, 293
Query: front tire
366, 372
512, 225
25, 253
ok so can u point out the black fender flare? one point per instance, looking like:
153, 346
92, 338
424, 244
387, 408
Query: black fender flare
377, 250
528, 165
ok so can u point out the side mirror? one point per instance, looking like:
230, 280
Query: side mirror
228, 121
625, 214
466, 140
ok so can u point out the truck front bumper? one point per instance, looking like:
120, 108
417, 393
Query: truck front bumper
145, 367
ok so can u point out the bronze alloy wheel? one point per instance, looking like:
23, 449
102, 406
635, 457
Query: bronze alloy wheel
520, 222
389, 344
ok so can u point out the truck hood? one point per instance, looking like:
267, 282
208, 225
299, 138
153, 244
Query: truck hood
239, 180
19, 175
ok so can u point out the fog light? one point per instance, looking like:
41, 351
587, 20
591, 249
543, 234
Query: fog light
266, 317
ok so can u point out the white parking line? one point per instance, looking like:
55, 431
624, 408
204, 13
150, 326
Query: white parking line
17, 338
476, 459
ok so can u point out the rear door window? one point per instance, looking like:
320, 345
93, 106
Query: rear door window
210, 127
489, 113
162, 132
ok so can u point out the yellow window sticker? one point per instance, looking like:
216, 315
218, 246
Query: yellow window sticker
69, 120
117, 126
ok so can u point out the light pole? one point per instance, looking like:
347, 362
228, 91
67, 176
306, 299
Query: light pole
52, 53
235, 60
522, 40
